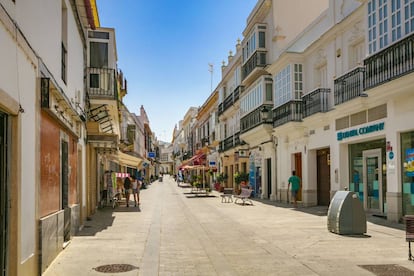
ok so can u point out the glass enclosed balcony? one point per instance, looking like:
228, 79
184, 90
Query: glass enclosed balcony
101, 83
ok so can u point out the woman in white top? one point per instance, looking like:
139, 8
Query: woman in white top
135, 190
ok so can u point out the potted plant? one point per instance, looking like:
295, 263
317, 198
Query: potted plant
221, 178
241, 179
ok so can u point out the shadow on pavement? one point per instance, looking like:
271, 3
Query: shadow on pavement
194, 195
323, 211
100, 221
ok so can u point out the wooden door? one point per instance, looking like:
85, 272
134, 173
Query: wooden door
298, 169
323, 177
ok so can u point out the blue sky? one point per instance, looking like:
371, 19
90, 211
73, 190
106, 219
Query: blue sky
164, 50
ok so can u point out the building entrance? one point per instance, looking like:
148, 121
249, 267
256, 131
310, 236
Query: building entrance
323, 177
372, 180
3, 194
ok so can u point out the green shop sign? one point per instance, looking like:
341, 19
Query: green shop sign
359, 131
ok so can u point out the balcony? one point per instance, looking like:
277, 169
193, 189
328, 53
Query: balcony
252, 119
390, 63
230, 100
230, 142
103, 142
316, 101
101, 83
257, 60
349, 86
288, 112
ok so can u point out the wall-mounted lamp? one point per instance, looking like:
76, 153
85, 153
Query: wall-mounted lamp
264, 113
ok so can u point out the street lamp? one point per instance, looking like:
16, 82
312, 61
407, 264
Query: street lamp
264, 113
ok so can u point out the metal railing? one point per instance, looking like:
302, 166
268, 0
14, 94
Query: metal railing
288, 112
230, 142
230, 100
390, 63
253, 119
349, 86
101, 83
316, 101
258, 59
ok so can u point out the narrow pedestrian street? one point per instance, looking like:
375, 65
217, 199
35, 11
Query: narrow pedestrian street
177, 233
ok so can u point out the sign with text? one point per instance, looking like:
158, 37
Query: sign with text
151, 154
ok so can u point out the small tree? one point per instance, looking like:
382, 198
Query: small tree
240, 177
221, 178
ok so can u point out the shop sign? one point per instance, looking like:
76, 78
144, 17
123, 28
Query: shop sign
359, 131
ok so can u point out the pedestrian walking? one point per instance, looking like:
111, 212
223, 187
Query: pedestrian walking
127, 188
295, 181
135, 189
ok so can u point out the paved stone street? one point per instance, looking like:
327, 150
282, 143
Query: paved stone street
176, 233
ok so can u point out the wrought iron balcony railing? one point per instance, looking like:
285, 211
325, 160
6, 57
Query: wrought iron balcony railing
349, 86
253, 119
101, 83
230, 100
390, 63
230, 142
316, 101
258, 59
288, 112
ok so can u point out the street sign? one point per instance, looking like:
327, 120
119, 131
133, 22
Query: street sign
212, 163
151, 154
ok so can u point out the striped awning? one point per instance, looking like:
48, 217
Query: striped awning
122, 175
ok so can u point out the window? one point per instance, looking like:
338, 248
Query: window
388, 21
262, 40
100, 35
253, 98
269, 92
356, 54
64, 39
98, 54
408, 16
94, 80
64, 56
299, 81
396, 19
257, 39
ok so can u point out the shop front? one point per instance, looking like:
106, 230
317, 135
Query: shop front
367, 174
407, 172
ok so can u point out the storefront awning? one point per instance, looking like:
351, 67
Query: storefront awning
129, 160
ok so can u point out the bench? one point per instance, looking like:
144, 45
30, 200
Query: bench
244, 196
199, 189
227, 195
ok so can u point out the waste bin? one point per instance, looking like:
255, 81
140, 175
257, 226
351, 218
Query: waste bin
346, 215
160, 178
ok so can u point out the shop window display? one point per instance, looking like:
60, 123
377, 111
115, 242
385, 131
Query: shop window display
407, 159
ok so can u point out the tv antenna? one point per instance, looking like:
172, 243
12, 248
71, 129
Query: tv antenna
211, 70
